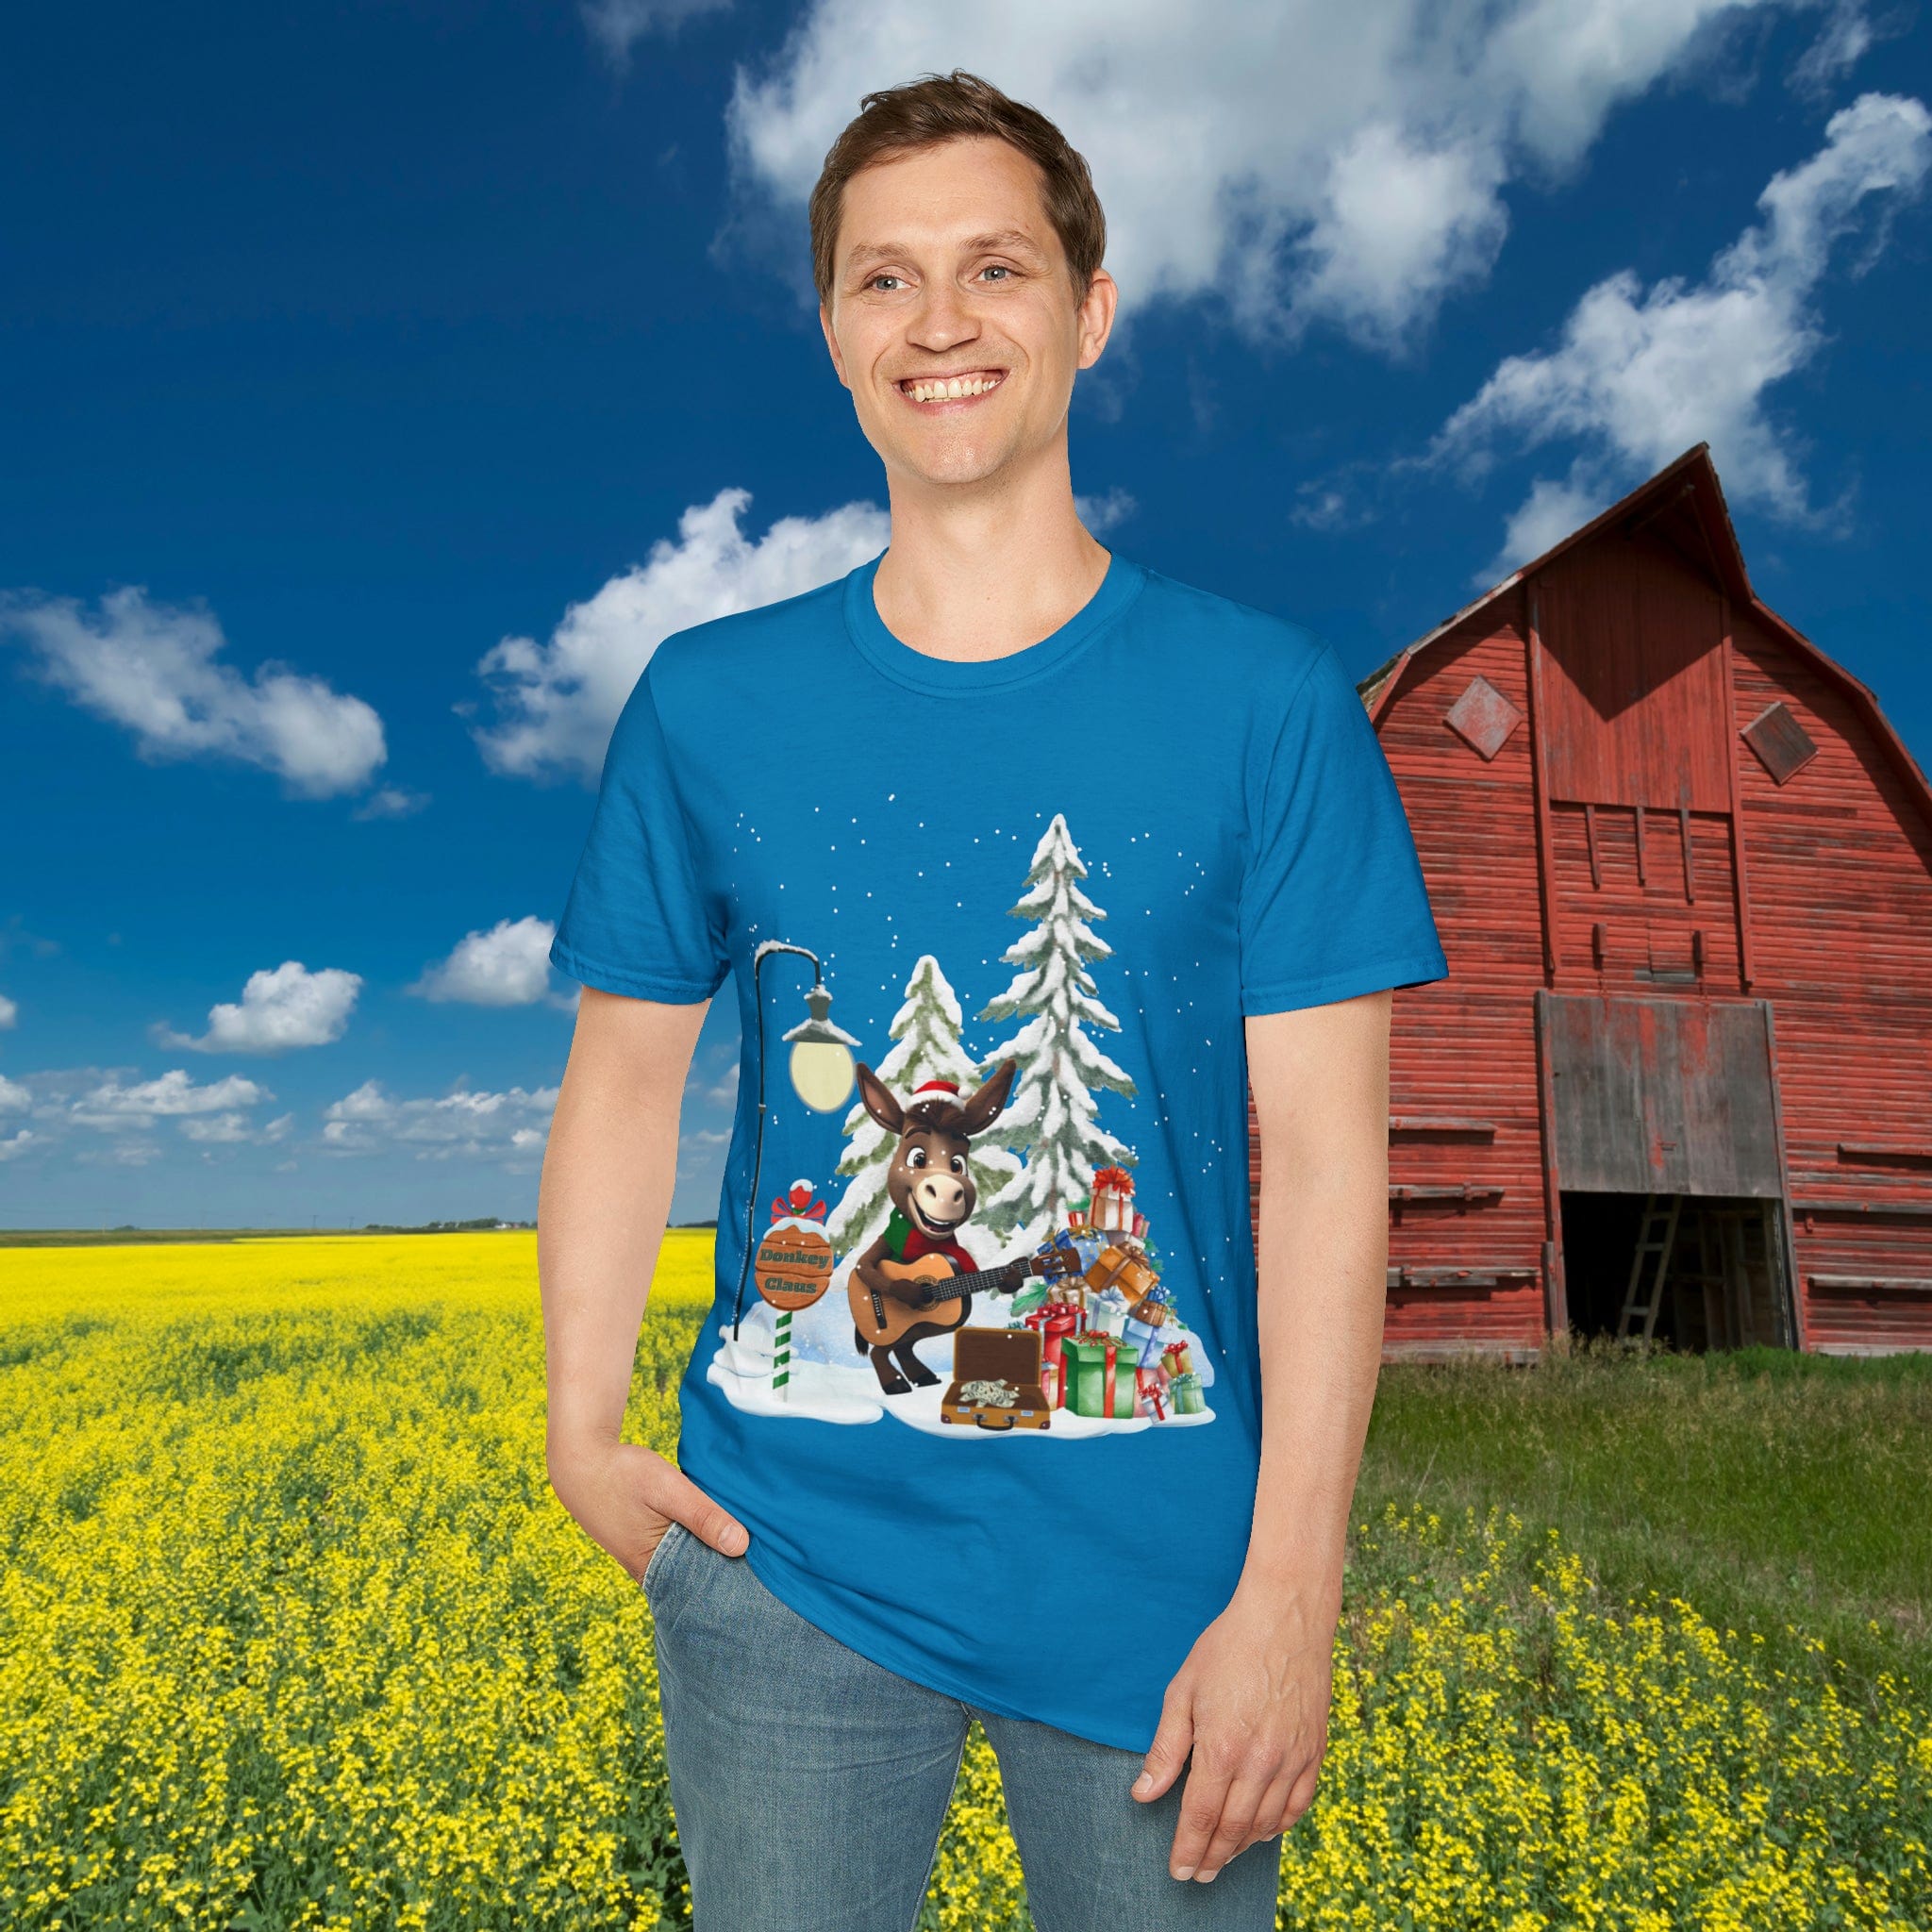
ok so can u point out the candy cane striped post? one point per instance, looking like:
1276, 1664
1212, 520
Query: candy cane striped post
781, 1362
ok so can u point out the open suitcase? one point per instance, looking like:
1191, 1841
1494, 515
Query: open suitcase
1004, 1354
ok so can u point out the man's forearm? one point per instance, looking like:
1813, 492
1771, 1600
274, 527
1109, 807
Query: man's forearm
1322, 1095
1322, 1261
605, 1196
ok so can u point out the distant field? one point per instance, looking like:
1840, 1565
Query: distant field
148, 1237
293, 1633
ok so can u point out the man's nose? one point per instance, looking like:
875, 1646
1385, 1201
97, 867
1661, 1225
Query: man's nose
943, 319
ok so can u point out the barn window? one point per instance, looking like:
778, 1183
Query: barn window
1782, 745
1482, 717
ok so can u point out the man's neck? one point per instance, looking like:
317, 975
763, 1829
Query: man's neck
978, 574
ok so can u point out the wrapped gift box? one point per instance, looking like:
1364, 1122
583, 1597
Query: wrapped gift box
1054, 1323
1143, 1342
1111, 1208
1184, 1393
1126, 1269
1098, 1374
1177, 1357
1150, 1393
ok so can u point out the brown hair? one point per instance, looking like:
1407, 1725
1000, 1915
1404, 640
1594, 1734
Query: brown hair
939, 108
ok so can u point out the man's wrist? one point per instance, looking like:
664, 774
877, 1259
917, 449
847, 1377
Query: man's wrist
1295, 1566
571, 1442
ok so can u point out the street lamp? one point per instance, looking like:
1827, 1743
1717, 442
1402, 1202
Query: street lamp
822, 1075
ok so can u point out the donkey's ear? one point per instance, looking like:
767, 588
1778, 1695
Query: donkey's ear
878, 1101
988, 1102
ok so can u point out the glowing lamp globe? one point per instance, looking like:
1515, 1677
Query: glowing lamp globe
823, 1069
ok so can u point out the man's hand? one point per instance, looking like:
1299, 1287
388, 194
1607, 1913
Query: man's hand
625, 1498
1251, 1703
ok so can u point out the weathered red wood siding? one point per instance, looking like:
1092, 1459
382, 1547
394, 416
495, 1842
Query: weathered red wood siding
1840, 861
1460, 1051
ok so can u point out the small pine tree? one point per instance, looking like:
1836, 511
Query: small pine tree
1052, 1122
926, 1029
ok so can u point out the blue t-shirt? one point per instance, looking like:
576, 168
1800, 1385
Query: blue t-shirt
1089, 859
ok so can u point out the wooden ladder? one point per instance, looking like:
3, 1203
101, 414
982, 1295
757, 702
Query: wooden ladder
1656, 1236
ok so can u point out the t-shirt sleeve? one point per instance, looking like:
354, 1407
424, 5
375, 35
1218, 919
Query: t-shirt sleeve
637, 921
1333, 903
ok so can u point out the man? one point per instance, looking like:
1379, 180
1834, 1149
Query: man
1137, 1603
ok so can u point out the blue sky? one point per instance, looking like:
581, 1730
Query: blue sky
344, 343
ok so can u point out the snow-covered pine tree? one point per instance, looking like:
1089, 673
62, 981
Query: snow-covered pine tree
927, 1029
1052, 1122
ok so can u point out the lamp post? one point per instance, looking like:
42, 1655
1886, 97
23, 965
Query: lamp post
822, 1073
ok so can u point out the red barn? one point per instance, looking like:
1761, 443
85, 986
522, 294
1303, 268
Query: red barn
1679, 1079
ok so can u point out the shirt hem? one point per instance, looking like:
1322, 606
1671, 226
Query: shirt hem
642, 986
1283, 996
792, 1588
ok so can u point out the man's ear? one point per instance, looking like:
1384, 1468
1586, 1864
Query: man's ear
879, 1100
1096, 316
832, 344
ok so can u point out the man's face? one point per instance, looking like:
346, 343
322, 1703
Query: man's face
952, 318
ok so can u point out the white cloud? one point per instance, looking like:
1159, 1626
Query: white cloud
617, 25
1297, 158
1640, 375
112, 1107
1104, 513
14, 1098
221, 1128
506, 966
1847, 37
558, 700
19, 1144
508, 1127
9, 1012
157, 670
390, 801
280, 1009
122, 1154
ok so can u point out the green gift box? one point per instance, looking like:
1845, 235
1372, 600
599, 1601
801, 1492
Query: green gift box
1083, 1363
1184, 1393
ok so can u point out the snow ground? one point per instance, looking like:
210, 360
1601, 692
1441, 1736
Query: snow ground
831, 1392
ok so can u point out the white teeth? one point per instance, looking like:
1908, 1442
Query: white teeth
951, 387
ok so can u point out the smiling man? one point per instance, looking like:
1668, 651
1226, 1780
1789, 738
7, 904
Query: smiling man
1134, 1589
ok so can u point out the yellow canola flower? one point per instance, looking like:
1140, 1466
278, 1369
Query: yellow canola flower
296, 1635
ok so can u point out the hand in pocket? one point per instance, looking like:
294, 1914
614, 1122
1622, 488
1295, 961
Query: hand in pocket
625, 1498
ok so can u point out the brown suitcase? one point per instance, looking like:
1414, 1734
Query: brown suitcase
1007, 1355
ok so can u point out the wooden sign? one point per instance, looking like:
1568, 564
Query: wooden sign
793, 1267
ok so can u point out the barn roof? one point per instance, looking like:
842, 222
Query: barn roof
1686, 504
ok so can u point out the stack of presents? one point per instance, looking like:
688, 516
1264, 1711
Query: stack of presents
1110, 1341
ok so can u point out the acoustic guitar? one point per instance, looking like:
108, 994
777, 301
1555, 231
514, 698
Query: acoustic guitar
882, 1319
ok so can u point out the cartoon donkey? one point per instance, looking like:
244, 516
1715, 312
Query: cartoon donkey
916, 1281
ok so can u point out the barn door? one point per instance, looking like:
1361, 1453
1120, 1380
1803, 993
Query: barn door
1661, 1096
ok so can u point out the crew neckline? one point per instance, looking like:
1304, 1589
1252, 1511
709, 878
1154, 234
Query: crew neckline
921, 670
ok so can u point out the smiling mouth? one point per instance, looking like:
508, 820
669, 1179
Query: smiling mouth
936, 391
933, 1225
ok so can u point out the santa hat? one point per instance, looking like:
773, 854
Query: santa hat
928, 1090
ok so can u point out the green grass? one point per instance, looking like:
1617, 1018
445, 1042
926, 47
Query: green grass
1780, 1494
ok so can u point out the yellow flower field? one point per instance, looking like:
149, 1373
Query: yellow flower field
294, 1633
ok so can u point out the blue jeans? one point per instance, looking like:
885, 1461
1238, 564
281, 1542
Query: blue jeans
810, 1784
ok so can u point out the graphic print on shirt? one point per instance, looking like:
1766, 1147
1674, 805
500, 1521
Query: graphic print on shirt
997, 1275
